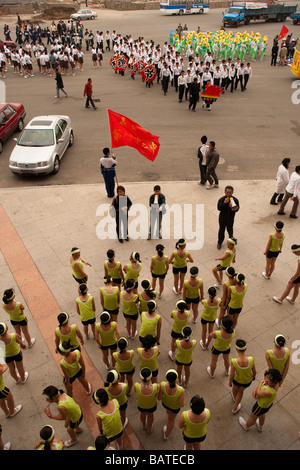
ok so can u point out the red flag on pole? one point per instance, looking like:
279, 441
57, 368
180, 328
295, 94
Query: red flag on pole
284, 31
125, 132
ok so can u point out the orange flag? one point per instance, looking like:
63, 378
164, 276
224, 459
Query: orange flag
284, 31
124, 132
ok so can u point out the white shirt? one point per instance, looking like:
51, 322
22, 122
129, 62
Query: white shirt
294, 184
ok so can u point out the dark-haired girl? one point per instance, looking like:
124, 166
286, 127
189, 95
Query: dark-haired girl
150, 322
172, 397
124, 363
179, 258
279, 357
12, 354
222, 341
17, 316
107, 335
209, 314
110, 298
146, 398
65, 332
294, 282
159, 267
109, 417
193, 423
180, 318
184, 355
230, 273
86, 308
118, 390
193, 292
48, 440
235, 298
148, 354
113, 269
77, 263
73, 368
129, 301
273, 249
133, 269
146, 295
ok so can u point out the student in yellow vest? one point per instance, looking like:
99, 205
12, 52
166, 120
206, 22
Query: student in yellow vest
12, 354
225, 260
109, 418
147, 294
133, 269
293, 283
7, 402
151, 322
86, 308
222, 342
101, 443
242, 374
73, 367
230, 273
124, 363
159, 268
273, 249
146, 393
77, 263
113, 269
193, 423
107, 335
235, 298
48, 440
184, 355
192, 292
148, 354
65, 331
130, 308
264, 395
209, 314
279, 357
68, 411
180, 318
118, 390
179, 258
172, 397
110, 298
17, 316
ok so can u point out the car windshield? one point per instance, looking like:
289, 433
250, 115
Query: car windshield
36, 138
234, 10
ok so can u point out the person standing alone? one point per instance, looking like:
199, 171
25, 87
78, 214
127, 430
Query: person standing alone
107, 167
88, 92
59, 84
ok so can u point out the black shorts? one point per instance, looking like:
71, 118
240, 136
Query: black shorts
190, 440
147, 410
91, 321
112, 347
233, 311
4, 393
72, 379
131, 317
216, 352
176, 335
237, 384
117, 281
80, 281
272, 254
160, 276
180, 270
182, 364
258, 411
112, 312
21, 323
113, 438
124, 406
221, 268
189, 301
204, 322
75, 425
170, 409
16, 358
130, 372
297, 281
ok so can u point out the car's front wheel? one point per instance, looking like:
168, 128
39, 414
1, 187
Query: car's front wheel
71, 139
1, 146
56, 165
20, 125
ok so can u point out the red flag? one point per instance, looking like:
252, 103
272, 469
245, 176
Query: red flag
124, 132
284, 31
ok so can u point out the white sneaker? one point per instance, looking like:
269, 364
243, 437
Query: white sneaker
243, 423
164, 433
209, 186
175, 291
237, 410
259, 427
277, 300
209, 372
171, 355
290, 300
264, 275
202, 345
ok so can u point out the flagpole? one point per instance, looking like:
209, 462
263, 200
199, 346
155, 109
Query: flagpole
116, 177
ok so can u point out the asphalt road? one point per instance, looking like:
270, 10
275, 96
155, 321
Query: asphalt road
253, 131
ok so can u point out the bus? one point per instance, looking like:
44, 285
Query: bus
183, 7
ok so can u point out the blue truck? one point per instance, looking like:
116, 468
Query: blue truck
244, 12
295, 17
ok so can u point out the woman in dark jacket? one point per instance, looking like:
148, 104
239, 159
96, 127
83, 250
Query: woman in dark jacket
121, 204
59, 84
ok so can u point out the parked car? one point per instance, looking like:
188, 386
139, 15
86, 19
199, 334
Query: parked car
41, 146
84, 15
9, 44
12, 117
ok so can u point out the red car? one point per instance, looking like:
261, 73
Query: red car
12, 117
9, 44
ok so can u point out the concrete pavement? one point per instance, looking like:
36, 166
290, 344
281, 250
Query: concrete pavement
39, 225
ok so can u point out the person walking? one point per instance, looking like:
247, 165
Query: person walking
179, 258
151, 322
86, 308
65, 332
77, 263
212, 161
203, 151
17, 316
225, 260
235, 298
113, 269
88, 93
73, 367
13, 355
228, 205
282, 180
59, 84
293, 283
118, 390
129, 300
172, 397
273, 248
7, 402
194, 94
279, 357
109, 418
291, 192
209, 315
108, 165
223, 339
230, 273
192, 293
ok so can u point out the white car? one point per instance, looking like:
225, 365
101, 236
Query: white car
84, 15
41, 145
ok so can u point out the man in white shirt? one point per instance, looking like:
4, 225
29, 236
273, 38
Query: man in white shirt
202, 154
291, 192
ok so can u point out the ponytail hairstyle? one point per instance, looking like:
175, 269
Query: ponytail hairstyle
279, 225
160, 250
181, 306
51, 392
148, 342
64, 347
240, 279
111, 378
151, 306
122, 344
226, 323
110, 255
186, 333
135, 257
280, 341
107, 279
62, 318
274, 375
212, 292
83, 288
180, 243
104, 318
100, 397
194, 271
129, 285
8, 295
171, 377
230, 271
3, 328
101, 442
197, 404
241, 345
146, 285
146, 374
47, 434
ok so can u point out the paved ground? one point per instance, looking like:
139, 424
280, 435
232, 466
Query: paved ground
252, 131
40, 225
